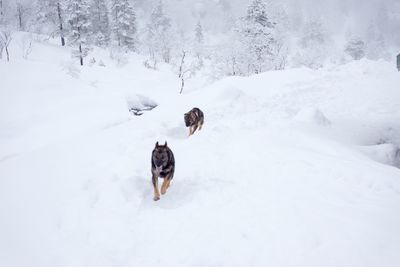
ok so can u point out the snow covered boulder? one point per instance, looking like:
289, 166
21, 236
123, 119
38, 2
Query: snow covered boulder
139, 103
312, 116
383, 153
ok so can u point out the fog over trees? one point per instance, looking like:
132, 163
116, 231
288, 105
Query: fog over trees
232, 37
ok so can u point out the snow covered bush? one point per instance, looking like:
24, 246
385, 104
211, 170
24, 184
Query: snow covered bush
355, 48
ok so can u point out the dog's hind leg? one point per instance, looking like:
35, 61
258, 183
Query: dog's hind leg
155, 186
200, 125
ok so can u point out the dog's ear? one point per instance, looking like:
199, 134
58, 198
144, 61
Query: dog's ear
165, 143
157, 144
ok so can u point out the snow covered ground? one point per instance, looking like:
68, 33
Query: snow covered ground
292, 168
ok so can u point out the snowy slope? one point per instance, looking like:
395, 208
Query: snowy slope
292, 168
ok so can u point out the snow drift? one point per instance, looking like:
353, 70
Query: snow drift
257, 186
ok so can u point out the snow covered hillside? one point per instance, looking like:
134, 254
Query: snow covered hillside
292, 168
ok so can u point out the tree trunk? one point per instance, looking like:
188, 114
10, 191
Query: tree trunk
1, 8
61, 25
20, 18
80, 54
182, 62
8, 54
233, 66
182, 85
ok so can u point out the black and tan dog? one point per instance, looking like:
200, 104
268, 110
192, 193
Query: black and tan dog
194, 119
162, 165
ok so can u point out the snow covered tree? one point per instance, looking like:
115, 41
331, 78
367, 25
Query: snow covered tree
60, 23
79, 27
123, 28
199, 33
198, 45
159, 36
21, 10
50, 18
257, 32
23, 14
2, 12
355, 48
100, 22
313, 43
6, 34
229, 57
375, 46
382, 17
313, 33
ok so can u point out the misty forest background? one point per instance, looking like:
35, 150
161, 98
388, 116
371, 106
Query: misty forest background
217, 37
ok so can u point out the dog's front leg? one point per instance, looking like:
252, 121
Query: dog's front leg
155, 186
164, 185
194, 128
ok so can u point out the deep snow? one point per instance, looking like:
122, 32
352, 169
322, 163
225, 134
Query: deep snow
292, 168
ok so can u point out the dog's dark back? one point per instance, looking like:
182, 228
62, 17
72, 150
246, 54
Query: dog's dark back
193, 117
163, 157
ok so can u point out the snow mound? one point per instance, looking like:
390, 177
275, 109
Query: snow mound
312, 116
47, 105
79, 193
140, 103
230, 94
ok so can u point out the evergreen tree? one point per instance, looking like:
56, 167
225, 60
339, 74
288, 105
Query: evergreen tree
50, 18
123, 24
257, 34
355, 48
375, 47
313, 44
159, 35
198, 46
100, 22
313, 34
79, 27
199, 33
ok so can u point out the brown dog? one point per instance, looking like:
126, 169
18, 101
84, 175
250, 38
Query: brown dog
194, 119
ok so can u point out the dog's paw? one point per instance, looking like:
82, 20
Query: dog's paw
156, 198
163, 191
